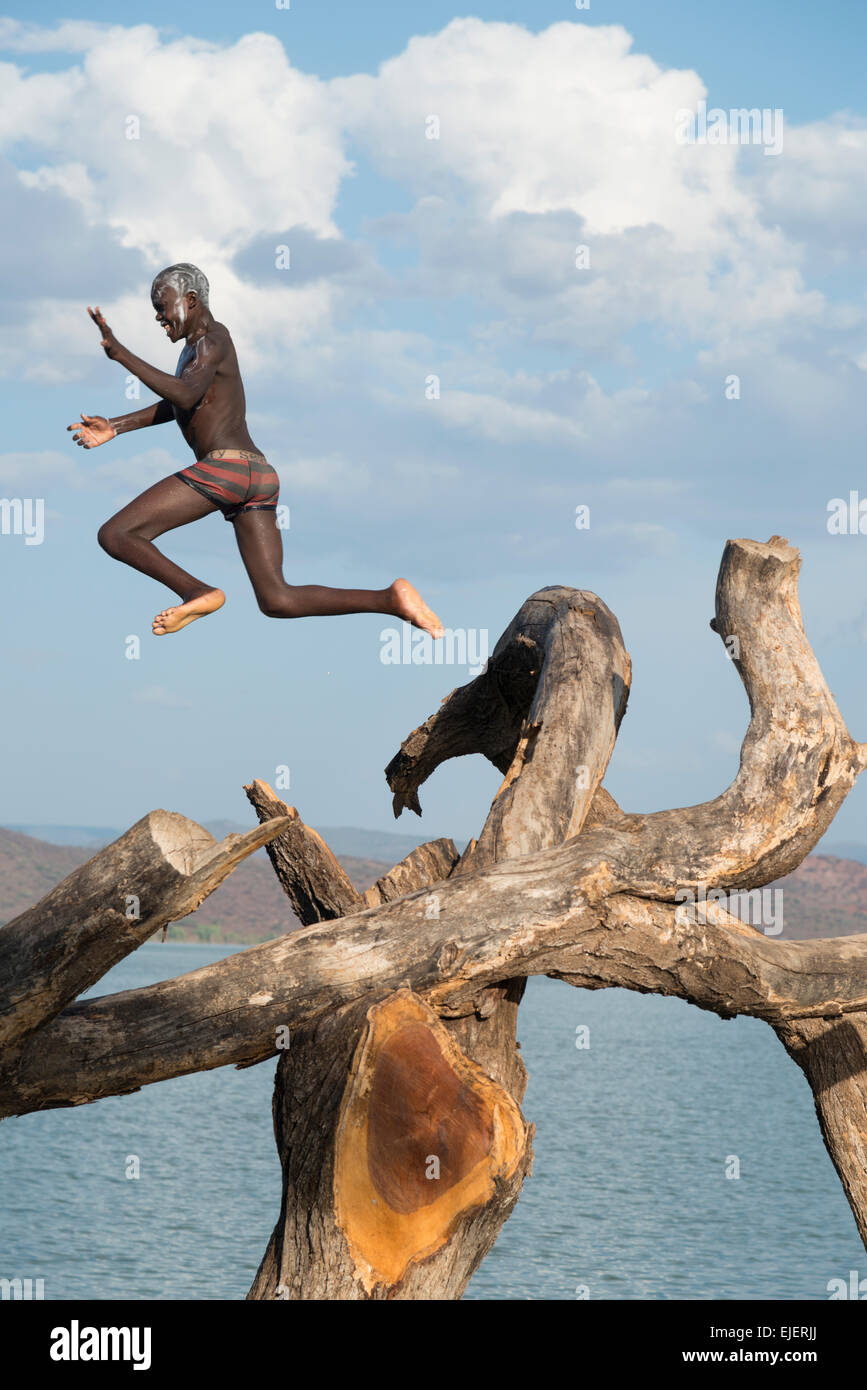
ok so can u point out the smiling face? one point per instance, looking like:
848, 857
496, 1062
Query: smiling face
172, 309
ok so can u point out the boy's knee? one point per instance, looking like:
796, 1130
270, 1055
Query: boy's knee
108, 536
276, 605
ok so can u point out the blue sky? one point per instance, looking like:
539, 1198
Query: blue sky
412, 257
812, 61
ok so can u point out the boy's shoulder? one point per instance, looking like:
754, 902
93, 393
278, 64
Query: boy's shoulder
218, 333
217, 340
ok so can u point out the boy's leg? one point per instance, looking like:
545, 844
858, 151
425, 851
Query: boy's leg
129, 534
261, 547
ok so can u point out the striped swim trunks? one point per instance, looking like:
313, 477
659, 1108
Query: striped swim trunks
236, 480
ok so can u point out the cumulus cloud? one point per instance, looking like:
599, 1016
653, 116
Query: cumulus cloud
70, 36
819, 191
569, 118
504, 421
141, 142
171, 160
569, 121
55, 250
303, 255
548, 143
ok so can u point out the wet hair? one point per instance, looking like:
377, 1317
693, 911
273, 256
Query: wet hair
184, 277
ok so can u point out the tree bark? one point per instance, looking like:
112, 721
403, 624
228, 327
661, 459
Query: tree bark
158, 872
317, 1249
388, 1080
832, 1053
491, 927
308, 872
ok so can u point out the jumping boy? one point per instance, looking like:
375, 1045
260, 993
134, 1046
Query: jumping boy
206, 397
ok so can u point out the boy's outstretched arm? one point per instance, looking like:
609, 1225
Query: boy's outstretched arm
93, 430
157, 413
185, 390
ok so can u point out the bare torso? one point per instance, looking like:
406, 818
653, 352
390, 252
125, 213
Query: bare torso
219, 419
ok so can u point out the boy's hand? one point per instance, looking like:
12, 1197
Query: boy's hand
109, 341
92, 431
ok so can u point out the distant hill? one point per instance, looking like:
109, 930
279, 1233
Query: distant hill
381, 845
249, 906
77, 835
31, 868
845, 849
826, 896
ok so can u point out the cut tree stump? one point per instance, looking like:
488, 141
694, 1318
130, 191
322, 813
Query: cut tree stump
158, 872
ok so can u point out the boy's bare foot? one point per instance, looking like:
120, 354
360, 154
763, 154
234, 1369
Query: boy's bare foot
173, 619
409, 604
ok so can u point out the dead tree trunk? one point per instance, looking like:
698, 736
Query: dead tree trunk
402, 1144
396, 1182
397, 1103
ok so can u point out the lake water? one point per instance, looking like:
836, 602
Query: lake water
629, 1194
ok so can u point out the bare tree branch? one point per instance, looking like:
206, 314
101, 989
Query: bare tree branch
156, 873
526, 917
309, 873
423, 867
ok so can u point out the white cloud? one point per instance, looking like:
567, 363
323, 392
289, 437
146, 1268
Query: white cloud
819, 190
504, 421
70, 36
569, 118
207, 172
546, 140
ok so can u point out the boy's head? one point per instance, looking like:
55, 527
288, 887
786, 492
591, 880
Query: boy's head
175, 292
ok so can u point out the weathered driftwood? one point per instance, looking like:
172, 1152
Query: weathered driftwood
552, 694
309, 873
156, 873
832, 1053
401, 1157
427, 1239
798, 761
314, 881
500, 925
563, 884
424, 1137
423, 1162
339, 1234
422, 868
